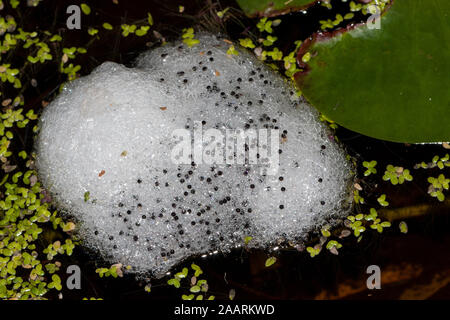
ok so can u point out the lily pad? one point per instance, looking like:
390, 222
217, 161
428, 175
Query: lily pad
270, 8
390, 83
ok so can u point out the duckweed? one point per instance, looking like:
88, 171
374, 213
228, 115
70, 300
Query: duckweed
270, 261
403, 227
189, 37
382, 200
247, 43
265, 25
437, 186
85, 8
197, 287
28, 269
397, 175
370, 166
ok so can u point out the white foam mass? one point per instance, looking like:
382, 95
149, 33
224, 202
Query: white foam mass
111, 134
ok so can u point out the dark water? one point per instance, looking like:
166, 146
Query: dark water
423, 251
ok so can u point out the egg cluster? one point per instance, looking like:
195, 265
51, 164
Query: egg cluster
105, 152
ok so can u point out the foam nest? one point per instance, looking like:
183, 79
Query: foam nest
106, 153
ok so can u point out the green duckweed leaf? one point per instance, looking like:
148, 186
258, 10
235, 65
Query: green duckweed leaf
270, 261
403, 227
85, 8
107, 26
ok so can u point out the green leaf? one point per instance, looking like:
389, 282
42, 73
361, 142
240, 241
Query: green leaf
195, 289
149, 19
92, 31
174, 282
389, 83
182, 274
142, 31
247, 43
382, 200
325, 232
107, 26
56, 38
197, 269
191, 42
333, 244
33, 59
403, 227
232, 51
313, 251
221, 14
85, 8
270, 261
14, 3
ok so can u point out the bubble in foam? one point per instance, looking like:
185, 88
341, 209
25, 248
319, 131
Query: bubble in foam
113, 134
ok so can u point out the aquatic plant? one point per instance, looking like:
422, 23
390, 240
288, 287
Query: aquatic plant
389, 98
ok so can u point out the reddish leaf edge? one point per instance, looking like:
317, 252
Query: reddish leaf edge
320, 36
